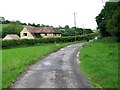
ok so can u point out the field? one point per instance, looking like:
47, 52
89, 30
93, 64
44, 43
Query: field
15, 61
99, 62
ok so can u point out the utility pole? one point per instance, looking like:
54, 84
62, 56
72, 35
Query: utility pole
83, 28
75, 24
75, 19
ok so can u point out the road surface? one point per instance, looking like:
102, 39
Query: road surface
57, 70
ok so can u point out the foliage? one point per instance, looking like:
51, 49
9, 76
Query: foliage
66, 26
108, 20
29, 42
12, 28
112, 15
99, 62
2, 20
100, 19
67, 31
38, 35
23, 24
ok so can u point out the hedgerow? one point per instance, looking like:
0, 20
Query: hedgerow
29, 42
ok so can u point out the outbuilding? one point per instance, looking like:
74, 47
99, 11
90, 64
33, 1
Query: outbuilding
11, 37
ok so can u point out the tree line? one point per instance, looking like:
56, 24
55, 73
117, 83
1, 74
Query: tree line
108, 20
15, 27
73, 31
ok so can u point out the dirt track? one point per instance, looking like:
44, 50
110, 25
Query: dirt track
57, 70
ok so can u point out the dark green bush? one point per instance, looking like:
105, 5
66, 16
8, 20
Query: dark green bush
30, 42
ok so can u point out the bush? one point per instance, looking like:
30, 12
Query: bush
30, 42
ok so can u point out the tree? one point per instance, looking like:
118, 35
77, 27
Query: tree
12, 28
66, 26
7, 21
23, 24
100, 19
38, 25
79, 31
87, 31
42, 25
108, 20
68, 32
33, 25
112, 14
29, 24
2, 20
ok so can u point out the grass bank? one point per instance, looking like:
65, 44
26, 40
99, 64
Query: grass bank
99, 62
15, 61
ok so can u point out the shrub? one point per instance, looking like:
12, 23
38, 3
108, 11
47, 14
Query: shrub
38, 41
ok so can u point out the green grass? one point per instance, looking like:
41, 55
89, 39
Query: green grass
15, 61
99, 62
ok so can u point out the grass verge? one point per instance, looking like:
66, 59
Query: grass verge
99, 62
15, 61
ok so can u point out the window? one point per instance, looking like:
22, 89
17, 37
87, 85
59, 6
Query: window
24, 34
45, 34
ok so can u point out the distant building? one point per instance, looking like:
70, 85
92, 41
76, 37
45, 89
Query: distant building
34, 32
11, 37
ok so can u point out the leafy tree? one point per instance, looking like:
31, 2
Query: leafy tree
33, 25
38, 25
108, 20
68, 32
79, 31
12, 28
112, 15
87, 31
23, 24
7, 21
29, 24
100, 19
42, 25
2, 20
66, 26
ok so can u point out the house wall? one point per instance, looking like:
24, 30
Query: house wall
29, 35
50, 35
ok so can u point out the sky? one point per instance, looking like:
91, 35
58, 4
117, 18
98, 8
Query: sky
53, 12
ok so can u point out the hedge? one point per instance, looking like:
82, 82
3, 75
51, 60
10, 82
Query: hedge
29, 42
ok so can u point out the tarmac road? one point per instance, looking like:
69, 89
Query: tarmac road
57, 70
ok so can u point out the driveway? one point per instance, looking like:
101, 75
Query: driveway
57, 70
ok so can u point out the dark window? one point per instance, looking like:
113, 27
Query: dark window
45, 34
24, 34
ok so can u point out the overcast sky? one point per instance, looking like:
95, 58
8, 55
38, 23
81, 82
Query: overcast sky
53, 12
